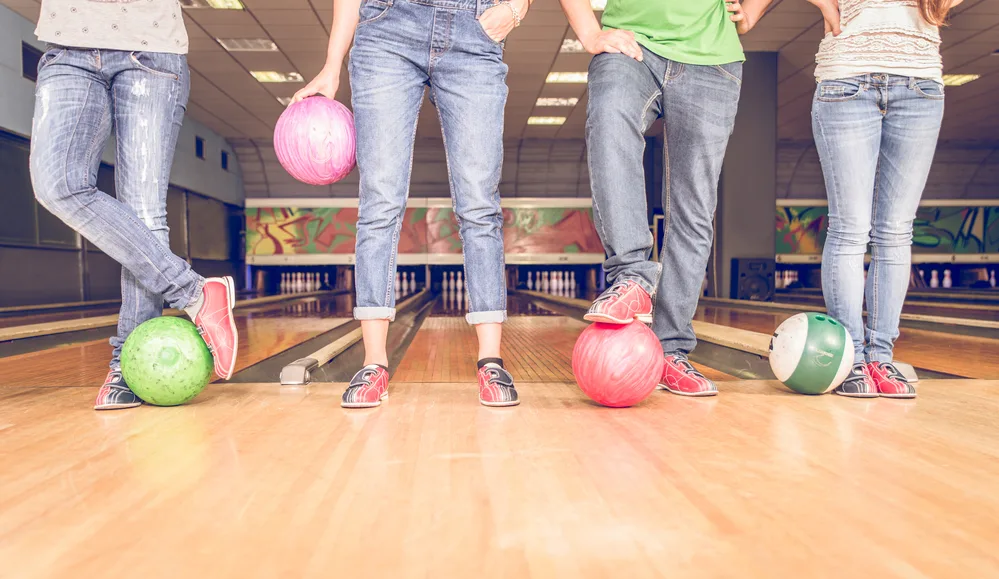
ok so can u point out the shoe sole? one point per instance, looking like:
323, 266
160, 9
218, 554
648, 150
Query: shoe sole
898, 396
117, 406
364, 404
499, 404
231, 296
603, 319
688, 394
850, 395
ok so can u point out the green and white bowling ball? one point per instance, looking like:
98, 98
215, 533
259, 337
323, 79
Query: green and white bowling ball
811, 353
166, 362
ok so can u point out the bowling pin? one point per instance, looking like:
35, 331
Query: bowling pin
934, 279
458, 284
284, 282
947, 282
326, 281
412, 281
530, 282
300, 283
398, 283
405, 284
572, 282
992, 279
922, 276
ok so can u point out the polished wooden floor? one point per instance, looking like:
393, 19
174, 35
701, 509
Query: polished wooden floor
259, 481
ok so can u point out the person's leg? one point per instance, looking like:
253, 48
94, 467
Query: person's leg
148, 110
846, 124
72, 121
699, 107
624, 100
911, 126
387, 81
468, 87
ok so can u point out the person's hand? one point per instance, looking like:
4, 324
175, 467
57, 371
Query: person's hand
325, 83
613, 41
743, 21
499, 21
830, 15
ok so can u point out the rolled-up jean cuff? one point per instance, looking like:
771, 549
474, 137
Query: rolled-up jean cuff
650, 288
374, 314
494, 317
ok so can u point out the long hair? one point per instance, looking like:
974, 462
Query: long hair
934, 11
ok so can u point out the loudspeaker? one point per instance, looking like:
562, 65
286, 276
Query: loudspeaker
753, 279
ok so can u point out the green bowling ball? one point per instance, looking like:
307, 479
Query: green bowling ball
166, 362
811, 353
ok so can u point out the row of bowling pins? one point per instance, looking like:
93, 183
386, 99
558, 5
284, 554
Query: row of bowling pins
935, 280
553, 282
405, 283
452, 282
294, 282
785, 278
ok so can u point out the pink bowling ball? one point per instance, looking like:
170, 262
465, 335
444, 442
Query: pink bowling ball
315, 142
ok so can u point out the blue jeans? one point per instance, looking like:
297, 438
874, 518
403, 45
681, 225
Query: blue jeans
876, 135
80, 96
697, 105
401, 47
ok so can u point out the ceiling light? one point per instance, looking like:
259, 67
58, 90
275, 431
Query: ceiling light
545, 120
598, 4
959, 79
285, 101
571, 46
556, 102
247, 44
566, 77
273, 76
216, 4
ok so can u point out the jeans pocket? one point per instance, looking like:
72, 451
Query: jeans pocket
929, 89
50, 56
372, 10
732, 71
150, 62
834, 91
485, 34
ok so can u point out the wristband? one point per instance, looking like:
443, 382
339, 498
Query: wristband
516, 13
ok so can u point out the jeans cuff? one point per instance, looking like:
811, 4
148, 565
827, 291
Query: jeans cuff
645, 284
493, 317
374, 314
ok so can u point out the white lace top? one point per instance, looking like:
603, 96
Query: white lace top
886, 36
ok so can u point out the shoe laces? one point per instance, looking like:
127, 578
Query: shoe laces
613, 291
684, 363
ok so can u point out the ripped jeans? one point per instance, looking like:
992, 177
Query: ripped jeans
80, 96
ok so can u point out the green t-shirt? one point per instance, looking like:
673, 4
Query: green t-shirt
687, 31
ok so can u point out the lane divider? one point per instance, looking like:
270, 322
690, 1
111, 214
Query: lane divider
50, 328
299, 372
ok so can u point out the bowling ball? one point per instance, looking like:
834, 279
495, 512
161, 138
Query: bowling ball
617, 365
315, 142
165, 361
811, 353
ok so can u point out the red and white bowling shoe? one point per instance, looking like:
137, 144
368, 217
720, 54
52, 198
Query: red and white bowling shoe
680, 377
890, 382
621, 303
367, 388
215, 322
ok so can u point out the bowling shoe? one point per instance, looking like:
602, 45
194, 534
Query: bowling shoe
115, 394
858, 384
621, 303
213, 317
889, 381
367, 388
496, 386
680, 377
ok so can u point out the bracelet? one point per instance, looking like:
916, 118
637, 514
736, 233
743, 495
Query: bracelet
516, 13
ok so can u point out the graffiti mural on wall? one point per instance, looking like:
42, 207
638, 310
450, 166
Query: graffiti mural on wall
434, 230
946, 230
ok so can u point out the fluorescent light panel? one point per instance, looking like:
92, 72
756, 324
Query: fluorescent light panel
545, 120
959, 79
566, 78
274, 76
247, 44
571, 46
556, 102
216, 4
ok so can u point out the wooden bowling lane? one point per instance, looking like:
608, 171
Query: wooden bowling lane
536, 348
263, 332
10, 321
256, 481
954, 354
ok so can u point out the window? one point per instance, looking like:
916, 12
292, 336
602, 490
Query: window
29, 61
199, 147
225, 161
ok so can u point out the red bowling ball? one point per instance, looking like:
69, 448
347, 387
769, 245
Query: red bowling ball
617, 365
